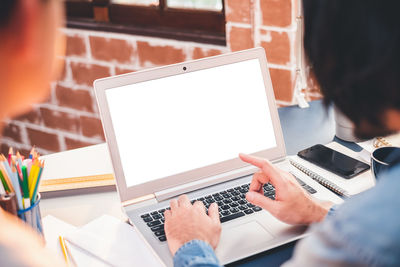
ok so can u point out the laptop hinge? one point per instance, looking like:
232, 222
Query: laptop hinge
279, 160
202, 183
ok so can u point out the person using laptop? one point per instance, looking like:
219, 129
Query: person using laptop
353, 49
30, 42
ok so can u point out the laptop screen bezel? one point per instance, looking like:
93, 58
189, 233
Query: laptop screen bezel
151, 187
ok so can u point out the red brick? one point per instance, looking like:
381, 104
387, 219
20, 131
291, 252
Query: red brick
119, 71
278, 49
200, 53
282, 83
87, 73
276, 12
159, 55
75, 46
91, 127
238, 11
44, 140
111, 49
73, 144
13, 132
240, 38
60, 120
76, 99
33, 117
4, 150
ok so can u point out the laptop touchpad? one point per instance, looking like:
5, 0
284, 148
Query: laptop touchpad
242, 238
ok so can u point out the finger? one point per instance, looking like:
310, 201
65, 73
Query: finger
261, 200
173, 204
167, 215
267, 168
213, 212
183, 201
259, 179
199, 206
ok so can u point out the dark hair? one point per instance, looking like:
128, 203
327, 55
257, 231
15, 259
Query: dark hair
6, 10
353, 48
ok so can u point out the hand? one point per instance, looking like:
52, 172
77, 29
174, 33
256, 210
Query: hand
292, 203
186, 222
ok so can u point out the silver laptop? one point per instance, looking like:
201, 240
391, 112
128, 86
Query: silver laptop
179, 129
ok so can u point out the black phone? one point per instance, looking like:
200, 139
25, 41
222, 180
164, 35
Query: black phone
333, 161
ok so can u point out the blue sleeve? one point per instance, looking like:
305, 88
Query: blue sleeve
195, 253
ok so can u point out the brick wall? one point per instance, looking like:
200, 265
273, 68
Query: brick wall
69, 118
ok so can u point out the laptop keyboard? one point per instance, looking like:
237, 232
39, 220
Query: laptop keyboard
232, 204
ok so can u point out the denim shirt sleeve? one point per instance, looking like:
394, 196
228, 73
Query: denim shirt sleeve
195, 253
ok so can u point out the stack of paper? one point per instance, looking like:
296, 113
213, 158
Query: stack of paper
106, 241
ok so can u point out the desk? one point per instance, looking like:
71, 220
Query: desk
301, 128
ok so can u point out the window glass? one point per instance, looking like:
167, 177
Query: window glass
136, 2
196, 4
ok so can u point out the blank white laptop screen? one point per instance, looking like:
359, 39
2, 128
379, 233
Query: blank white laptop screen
179, 123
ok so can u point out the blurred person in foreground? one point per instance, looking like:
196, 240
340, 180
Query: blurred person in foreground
30, 44
353, 48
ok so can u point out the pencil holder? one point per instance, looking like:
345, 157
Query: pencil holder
32, 216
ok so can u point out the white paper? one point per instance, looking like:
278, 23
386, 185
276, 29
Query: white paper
115, 242
53, 228
87, 161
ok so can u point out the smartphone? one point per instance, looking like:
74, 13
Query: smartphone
333, 161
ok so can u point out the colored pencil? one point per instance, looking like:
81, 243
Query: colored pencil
36, 187
10, 154
2, 190
14, 180
31, 178
21, 177
4, 183
25, 187
6, 175
31, 153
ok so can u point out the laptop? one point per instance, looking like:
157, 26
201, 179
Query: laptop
179, 129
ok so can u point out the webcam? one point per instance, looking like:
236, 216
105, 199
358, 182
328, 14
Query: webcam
184, 68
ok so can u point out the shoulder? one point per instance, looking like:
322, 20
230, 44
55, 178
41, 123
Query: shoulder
369, 222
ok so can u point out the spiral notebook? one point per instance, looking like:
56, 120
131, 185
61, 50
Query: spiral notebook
335, 183
323, 181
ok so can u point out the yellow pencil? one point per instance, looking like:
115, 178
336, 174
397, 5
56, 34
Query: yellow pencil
63, 248
33, 176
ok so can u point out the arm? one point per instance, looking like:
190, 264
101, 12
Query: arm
195, 253
186, 222
192, 234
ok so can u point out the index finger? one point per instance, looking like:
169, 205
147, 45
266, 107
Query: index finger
267, 168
